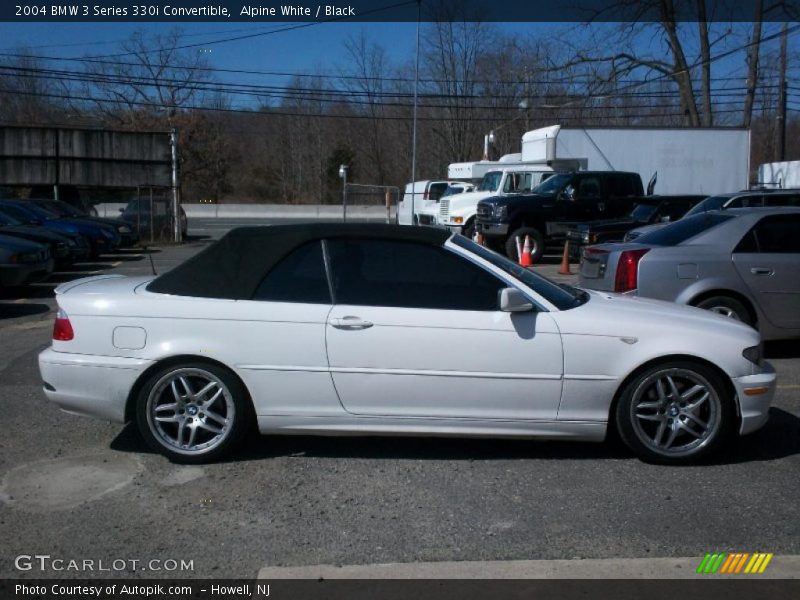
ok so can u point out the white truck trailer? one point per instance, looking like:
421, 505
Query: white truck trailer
781, 175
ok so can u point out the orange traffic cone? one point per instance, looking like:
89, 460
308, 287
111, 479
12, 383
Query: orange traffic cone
564, 269
525, 258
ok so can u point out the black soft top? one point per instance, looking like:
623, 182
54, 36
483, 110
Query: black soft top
233, 267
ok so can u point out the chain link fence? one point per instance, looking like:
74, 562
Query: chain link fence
150, 214
372, 196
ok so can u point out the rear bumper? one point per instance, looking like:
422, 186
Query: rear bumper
92, 386
755, 394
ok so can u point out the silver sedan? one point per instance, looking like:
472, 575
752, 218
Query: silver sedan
740, 263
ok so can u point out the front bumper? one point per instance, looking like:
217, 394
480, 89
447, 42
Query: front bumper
492, 229
755, 394
92, 386
20, 274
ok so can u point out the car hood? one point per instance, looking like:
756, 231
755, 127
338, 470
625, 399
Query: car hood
33, 233
512, 199
607, 313
15, 244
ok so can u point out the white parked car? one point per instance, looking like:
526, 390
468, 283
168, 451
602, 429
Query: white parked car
347, 329
425, 195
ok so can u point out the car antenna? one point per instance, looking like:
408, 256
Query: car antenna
152, 264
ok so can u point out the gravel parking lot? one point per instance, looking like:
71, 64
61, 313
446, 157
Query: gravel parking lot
80, 489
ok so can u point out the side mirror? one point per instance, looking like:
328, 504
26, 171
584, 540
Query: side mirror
512, 300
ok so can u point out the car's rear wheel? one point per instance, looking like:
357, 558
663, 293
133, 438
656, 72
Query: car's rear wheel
727, 307
193, 413
537, 243
675, 413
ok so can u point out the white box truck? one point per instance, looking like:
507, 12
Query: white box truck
697, 160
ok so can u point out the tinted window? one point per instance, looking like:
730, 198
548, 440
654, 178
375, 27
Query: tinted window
781, 200
553, 184
436, 190
680, 231
621, 185
407, 274
710, 203
778, 234
300, 277
588, 187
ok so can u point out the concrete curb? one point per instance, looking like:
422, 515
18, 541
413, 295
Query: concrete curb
266, 211
781, 567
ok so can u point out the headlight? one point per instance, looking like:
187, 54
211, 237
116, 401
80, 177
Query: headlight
71, 243
754, 354
501, 211
124, 229
106, 234
30, 257
586, 238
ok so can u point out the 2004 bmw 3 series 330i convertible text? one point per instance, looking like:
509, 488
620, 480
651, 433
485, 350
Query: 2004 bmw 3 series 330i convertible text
342, 329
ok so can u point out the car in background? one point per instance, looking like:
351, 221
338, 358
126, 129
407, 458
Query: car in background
744, 199
101, 238
198, 356
152, 219
61, 246
23, 261
426, 195
741, 263
648, 209
128, 237
82, 248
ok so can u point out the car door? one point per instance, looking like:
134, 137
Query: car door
278, 337
415, 331
768, 260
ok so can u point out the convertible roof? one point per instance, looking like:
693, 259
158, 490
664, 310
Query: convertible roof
233, 267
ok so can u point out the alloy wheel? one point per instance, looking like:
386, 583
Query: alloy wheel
190, 411
675, 412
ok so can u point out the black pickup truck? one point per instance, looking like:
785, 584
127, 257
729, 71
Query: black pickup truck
565, 197
646, 211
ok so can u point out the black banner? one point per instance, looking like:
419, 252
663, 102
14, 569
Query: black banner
400, 589
266, 11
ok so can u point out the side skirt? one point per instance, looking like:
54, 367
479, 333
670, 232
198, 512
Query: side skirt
589, 431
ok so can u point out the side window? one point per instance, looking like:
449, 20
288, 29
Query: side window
299, 277
436, 190
588, 187
778, 234
737, 202
781, 200
411, 275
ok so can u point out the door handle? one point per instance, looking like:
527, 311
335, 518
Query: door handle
350, 323
761, 271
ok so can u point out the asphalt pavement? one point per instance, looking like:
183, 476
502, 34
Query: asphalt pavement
80, 489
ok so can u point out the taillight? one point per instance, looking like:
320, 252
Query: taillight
62, 328
628, 270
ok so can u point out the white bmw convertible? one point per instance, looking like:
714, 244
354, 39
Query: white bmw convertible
384, 330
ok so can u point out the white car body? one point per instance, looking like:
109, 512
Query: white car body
544, 373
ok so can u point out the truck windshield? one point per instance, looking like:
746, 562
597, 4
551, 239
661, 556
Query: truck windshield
560, 295
554, 184
491, 181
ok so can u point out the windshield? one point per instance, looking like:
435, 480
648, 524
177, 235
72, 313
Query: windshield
643, 212
453, 190
683, 229
63, 209
26, 215
710, 203
7, 219
561, 296
491, 181
553, 184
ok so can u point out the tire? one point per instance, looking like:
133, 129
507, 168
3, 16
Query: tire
469, 228
659, 429
537, 243
727, 307
171, 430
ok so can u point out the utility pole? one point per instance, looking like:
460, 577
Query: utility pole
176, 203
414, 126
781, 145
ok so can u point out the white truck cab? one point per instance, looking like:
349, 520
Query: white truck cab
457, 213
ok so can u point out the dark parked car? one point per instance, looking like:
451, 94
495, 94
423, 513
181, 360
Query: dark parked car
22, 261
141, 219
581, 196
66, 211
60, 245
744, 199
101, 238
648, 210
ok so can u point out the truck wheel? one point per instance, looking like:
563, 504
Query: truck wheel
537, 243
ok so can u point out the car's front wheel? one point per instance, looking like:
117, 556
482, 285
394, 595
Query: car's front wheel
193, 413
675, 413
